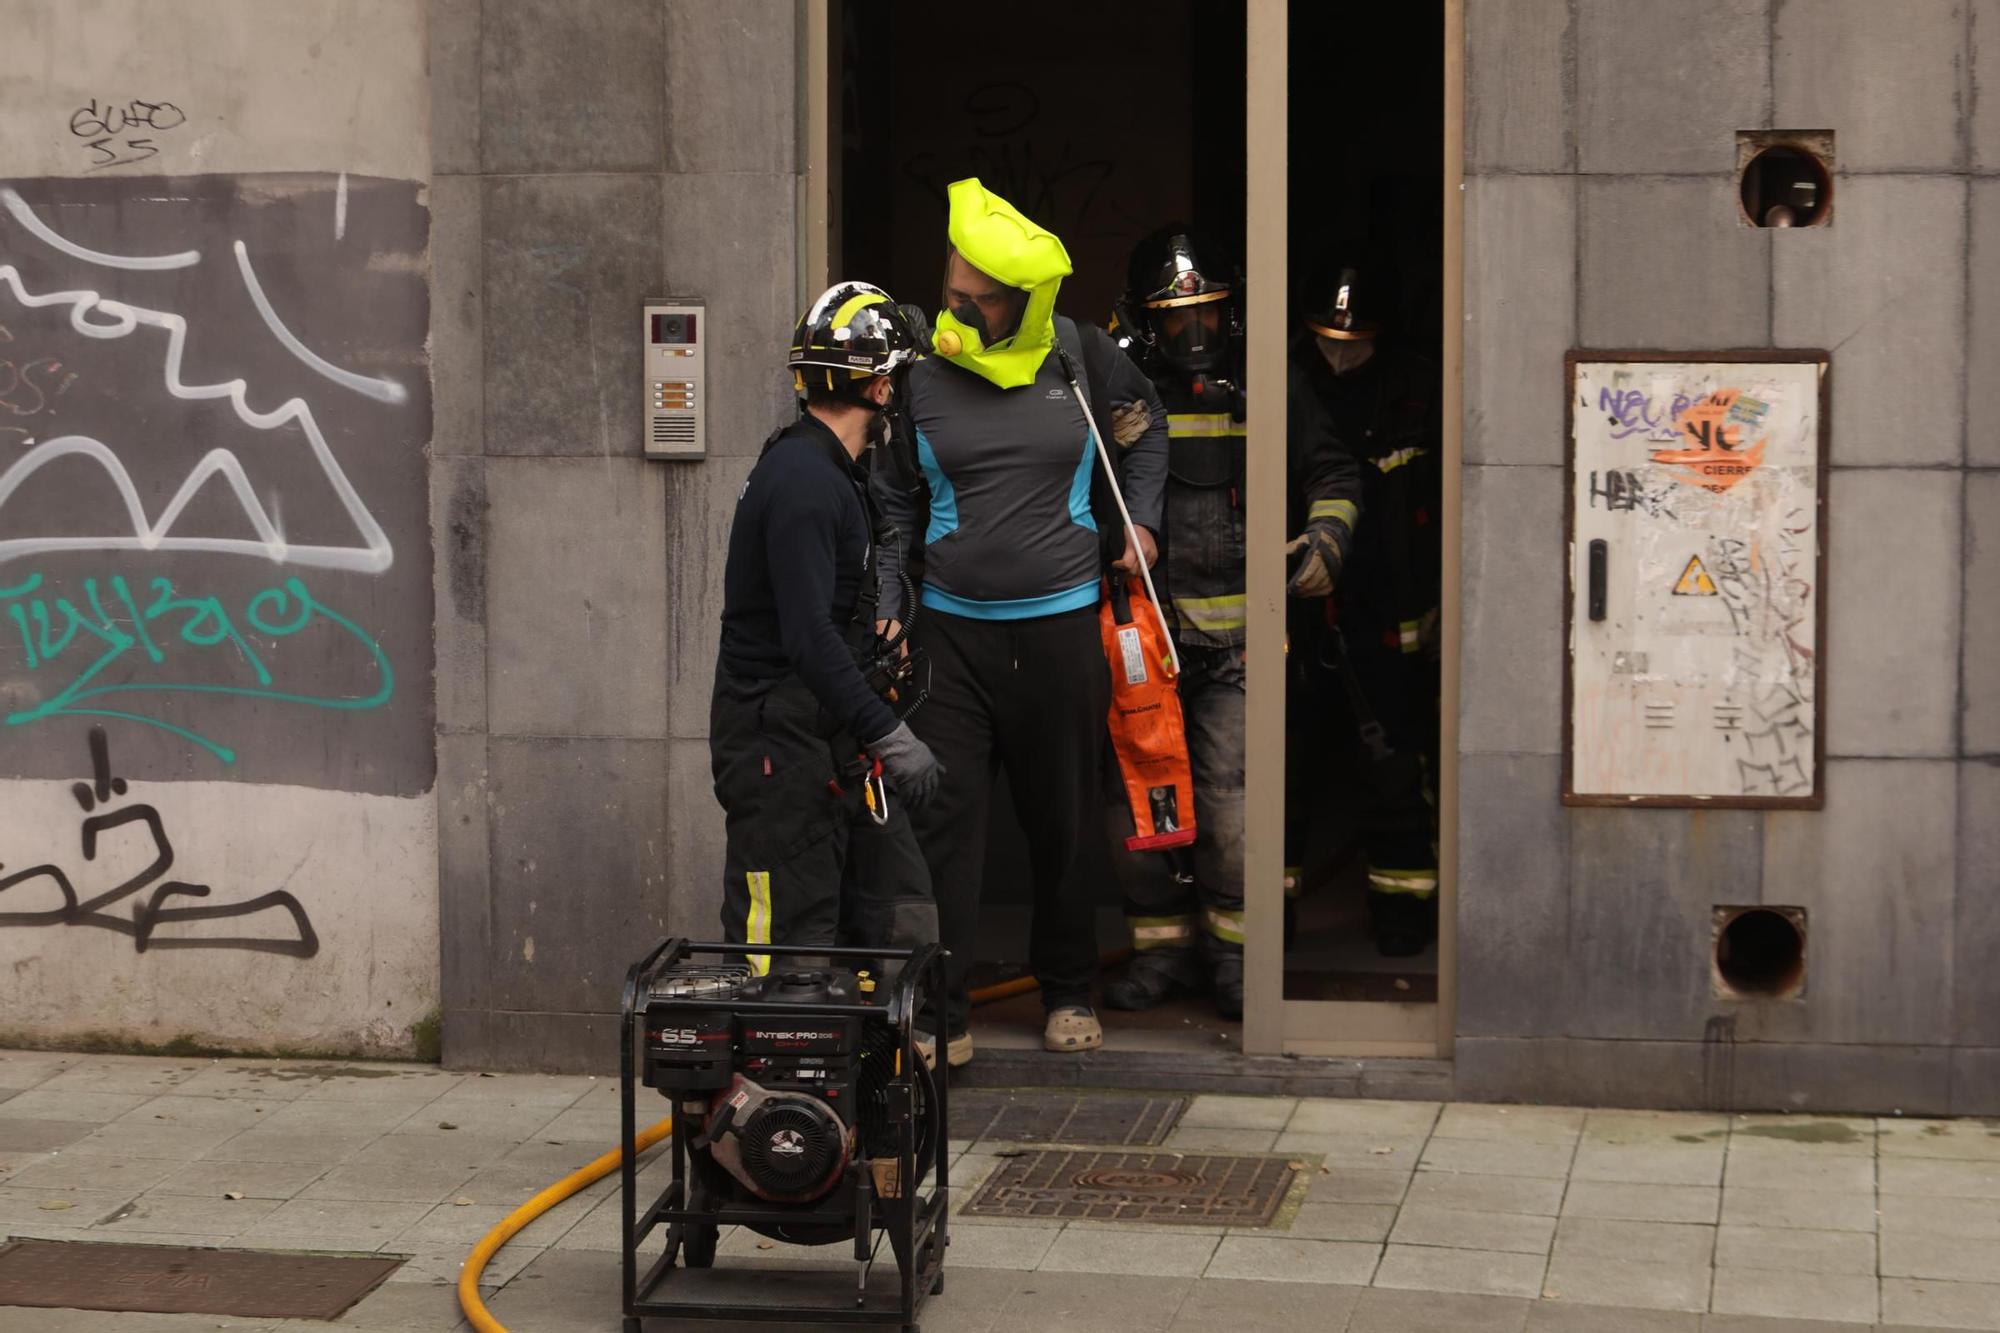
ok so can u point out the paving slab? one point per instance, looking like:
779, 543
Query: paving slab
1219, 1112
1568, 1317
1626, 1128
1793, 1250
1973, 1219
1091, 1303
1476, 1272
1653, 1242
1942, 1179
1341, 1221
1217, 1138
1541, 1195
1457, 1228
1285, 1259
1487, 1157
70, 1170
254, 1180
1219, 1303
1389, 1310
1627, 1282
1794, 1295
1649, 1162
1513, 1124
1143, 1253
1932, 1255
1619, 1201
1361, 1116
1798, 1208
1966, 1140
1944, 1304
1800, 1171
1338, 1184
190, 1215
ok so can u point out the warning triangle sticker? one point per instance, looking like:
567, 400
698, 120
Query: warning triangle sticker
1694, 580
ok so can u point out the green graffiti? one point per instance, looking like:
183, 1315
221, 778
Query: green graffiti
110, 626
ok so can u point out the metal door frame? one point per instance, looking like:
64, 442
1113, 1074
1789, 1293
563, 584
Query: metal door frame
1272, 1024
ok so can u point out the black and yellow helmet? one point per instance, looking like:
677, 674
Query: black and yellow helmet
851, 333
1181, 308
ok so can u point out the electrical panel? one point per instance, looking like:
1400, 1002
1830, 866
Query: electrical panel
676, 377
1696, 633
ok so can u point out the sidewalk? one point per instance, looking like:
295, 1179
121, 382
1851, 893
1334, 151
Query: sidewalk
1419, 1216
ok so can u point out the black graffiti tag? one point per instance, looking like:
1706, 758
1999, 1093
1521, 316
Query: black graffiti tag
109, 129
150, 926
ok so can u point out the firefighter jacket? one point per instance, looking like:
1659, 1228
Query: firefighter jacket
1386, 413
1203, 545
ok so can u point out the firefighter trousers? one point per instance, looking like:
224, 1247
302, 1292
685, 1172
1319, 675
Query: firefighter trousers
804, 861
1030, 697
1189, 900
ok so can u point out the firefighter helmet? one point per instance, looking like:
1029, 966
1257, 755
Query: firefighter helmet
851, 333
1180, 306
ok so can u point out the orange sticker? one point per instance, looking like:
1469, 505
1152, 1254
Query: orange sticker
1713, 454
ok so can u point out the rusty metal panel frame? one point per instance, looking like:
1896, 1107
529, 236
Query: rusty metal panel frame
1824, 430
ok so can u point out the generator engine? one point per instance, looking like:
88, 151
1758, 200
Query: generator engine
774, 1108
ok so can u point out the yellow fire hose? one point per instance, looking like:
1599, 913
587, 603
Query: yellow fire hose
517, 1221
512, 1224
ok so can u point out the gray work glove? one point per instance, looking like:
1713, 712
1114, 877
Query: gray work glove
1129, 421
1320, 570
909, 764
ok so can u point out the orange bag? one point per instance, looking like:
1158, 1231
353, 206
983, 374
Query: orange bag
1147, 730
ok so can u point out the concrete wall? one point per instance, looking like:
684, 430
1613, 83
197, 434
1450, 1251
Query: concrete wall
1600, 212
589, 154
216, 764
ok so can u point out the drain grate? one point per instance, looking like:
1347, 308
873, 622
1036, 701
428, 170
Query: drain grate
162, 1279
1208, 1189
1056, 1117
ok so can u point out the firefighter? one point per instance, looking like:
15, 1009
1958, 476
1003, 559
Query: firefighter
1377, 658
1013, 561
819, 845
1180, 315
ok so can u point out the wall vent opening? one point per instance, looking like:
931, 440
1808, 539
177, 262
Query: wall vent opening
1759, 953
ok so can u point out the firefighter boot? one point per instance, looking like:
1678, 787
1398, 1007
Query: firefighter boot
1150, 977
1400, 905
1228, 981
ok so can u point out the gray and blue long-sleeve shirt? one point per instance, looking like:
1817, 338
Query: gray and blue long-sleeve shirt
1006, 480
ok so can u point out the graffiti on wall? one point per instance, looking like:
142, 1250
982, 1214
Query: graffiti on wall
1701, 483
170, 917
214, 547
213, 408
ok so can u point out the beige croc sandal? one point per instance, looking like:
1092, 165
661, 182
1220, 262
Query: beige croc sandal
1072, 1028
957, 1052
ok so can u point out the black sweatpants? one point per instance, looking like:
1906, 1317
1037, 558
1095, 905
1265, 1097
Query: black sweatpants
804, 863
1030, 697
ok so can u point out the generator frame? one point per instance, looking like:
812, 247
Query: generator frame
916, 1225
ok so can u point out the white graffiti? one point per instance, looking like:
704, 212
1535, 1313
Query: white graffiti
340, 208
381, 390
22, 214
373, 555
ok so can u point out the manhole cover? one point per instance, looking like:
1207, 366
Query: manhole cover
160, 1279
1056, 1117
1205, 1188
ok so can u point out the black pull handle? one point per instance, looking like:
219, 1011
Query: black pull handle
1598, 553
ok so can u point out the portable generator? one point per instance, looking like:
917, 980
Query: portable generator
801, 1111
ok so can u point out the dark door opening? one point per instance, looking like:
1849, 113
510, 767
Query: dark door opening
1104, 122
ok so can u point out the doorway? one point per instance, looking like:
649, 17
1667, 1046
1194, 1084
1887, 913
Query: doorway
1139, 114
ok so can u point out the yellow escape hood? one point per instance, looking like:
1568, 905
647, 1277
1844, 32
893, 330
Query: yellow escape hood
995, 238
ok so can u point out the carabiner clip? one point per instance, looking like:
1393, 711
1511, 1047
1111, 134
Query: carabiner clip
875, 792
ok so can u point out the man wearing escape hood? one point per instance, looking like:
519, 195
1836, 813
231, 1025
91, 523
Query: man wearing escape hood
1013, 555
819, 849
